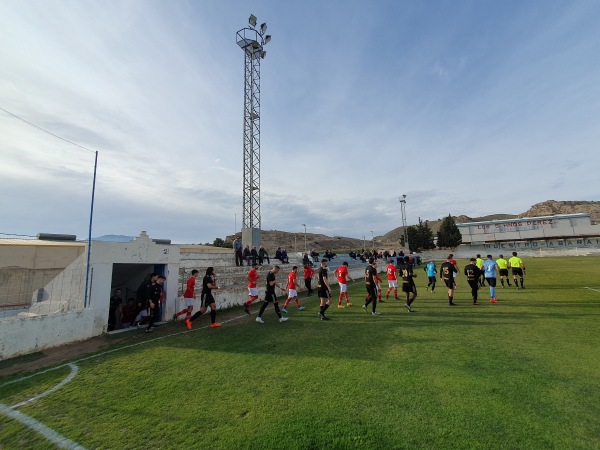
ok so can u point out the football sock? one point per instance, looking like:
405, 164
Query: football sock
297, 302
450, 299
521, 281
213, 315
277, 310
492, 292
286, 303
195, 316
262, 309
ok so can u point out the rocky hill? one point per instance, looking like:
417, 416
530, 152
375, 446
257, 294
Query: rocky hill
552, 207
294, 242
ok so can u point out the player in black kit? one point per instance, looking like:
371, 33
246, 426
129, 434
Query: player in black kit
408, 283
447, 272
473, 273
371, 285
324, 291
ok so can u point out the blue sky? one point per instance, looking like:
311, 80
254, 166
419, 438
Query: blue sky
468, 107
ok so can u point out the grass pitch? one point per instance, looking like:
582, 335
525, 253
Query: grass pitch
523, 373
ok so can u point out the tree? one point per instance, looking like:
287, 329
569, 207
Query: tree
449, 234
420, 237
218, 242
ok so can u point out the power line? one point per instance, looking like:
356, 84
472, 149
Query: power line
46, 131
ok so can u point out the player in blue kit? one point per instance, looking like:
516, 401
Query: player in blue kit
431, 274
489, 271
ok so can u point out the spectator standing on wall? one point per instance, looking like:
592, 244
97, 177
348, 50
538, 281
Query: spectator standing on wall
237, 248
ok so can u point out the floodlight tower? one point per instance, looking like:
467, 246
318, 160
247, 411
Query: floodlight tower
403, 209
252, 42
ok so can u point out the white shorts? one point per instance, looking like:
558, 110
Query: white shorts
343, 287
253, 292
188, 301
292, 293
393, 283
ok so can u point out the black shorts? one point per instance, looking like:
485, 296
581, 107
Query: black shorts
491, 282
270, 297
372, 292
517, 271
449, 283
409, 287
206, 299
503, 272
474, 284
323, 293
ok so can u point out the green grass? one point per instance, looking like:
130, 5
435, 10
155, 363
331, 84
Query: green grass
523, 373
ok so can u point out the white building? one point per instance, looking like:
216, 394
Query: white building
548, 232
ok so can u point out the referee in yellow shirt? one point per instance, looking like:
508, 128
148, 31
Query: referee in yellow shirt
518, 269
503, 264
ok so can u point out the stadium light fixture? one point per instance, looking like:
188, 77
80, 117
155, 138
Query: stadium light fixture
252, 20
267, 39
263, 28
403, 210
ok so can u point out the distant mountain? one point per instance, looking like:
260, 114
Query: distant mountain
113, 238
553, 207
294, 242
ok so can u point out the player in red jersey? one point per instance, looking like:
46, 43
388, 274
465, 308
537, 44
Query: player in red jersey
392, 280
291, 287
342, 276
252, 289
188, 296
309, 272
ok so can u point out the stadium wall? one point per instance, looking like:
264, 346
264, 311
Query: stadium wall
59, 317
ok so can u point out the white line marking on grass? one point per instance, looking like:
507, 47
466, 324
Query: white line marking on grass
74, 370
48, 433
116, 350
592, 289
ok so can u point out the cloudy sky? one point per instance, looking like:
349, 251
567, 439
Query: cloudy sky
468, 107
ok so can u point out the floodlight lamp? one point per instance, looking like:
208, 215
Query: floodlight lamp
263, 28
263, 54
267, 39
252, 20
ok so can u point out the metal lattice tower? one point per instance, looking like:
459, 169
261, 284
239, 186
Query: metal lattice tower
252, 41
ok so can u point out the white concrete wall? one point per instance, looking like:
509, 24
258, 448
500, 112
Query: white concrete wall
19, 336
